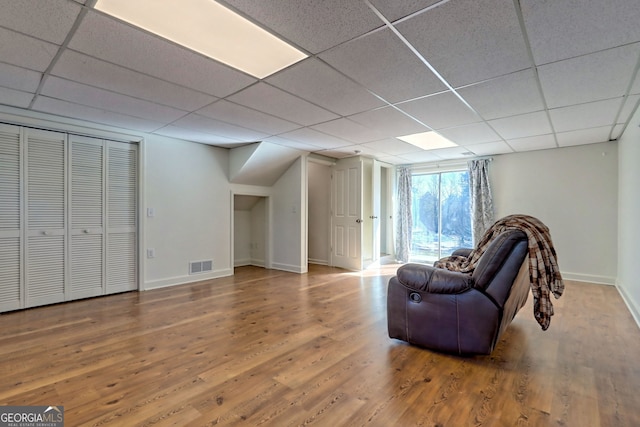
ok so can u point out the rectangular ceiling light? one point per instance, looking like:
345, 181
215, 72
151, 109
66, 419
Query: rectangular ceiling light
210, 29
428, 140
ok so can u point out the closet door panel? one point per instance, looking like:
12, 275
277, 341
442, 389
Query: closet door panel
10, 223
86, 217
122, 171
46, 208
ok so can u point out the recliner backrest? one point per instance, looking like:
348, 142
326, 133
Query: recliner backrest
500, 263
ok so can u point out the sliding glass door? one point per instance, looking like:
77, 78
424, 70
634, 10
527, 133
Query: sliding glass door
441, 215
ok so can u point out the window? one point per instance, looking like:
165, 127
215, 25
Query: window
441, 215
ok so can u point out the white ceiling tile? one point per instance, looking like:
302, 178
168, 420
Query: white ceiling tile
349, 130
440, 111
243, 116
393, 10
197, 136
476, 133
589, 78
420, 157
19, 78
629, 107
565, 29
15, 98
523, 125
85, 69
538, 142
584, 136
489, 148
318, 83
49, 20
593, 114
271, 100
384, 65
311, 24
121, 44
468, 40
356, 150
635, 89
94, 115
508, 95
313, 137
452, 153
336, 154
216, 127
392, 146
66, 90
292, 144
389, 122
24, 51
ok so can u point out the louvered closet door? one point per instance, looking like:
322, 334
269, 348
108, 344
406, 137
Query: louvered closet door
46, 207
86, 217
122, 245
10, 276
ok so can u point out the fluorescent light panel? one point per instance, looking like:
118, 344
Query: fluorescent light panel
210, 29
428, 140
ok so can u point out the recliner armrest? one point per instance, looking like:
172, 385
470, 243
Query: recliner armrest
434, 280
465, 252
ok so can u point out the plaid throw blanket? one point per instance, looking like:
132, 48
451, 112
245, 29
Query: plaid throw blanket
544, 273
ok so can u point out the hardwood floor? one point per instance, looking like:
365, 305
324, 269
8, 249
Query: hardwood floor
269, 348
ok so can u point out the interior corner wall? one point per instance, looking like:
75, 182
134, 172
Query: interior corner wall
242, 238
289, 219
628, 214
258, 233
319, 212
186, 184
574, 191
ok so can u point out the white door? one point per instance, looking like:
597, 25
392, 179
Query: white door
346, 214
376, 207
46, 222
122, 196
10, 223
86, 217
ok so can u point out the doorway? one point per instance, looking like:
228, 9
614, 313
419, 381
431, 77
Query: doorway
250, 231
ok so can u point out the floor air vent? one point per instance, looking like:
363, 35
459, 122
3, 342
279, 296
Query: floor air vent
197, 267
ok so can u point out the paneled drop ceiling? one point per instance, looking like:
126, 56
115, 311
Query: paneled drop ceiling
493, 76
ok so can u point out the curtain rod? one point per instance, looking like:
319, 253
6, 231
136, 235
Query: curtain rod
444, 163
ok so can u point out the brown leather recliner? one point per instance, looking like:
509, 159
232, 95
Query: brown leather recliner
463, 313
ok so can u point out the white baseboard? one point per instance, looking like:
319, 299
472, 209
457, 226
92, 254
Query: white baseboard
257, 262
635, 311
241, 262
181, 280
289, 268
318, 261
590, 278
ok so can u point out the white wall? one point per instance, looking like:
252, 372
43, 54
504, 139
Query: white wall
241, 238
319, 212
289, 219
258, 233
628, 214
572, 190
186, 184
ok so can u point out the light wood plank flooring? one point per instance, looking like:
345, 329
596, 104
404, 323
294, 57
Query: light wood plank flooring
269, 348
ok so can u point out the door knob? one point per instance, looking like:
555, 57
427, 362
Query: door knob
358, 220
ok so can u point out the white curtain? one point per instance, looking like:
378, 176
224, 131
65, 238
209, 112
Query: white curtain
404, 217
481, 198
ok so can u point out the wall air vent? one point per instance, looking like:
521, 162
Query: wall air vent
197, 267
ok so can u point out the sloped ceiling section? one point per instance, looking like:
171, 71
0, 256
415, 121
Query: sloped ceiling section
261, 163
